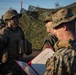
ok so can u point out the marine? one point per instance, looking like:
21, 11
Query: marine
12, 41
50, 39
63, 61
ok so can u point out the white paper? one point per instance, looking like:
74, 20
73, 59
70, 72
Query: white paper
37, 65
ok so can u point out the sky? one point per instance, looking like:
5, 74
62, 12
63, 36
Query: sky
15, 4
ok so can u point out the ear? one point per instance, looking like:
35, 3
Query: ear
8, 22
64, 27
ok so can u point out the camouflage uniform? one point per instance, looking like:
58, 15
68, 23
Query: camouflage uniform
11, 42
50, 41
63, 61
2, 58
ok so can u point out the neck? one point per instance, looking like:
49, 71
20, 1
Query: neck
69, 35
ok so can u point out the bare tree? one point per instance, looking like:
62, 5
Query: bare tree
57, 5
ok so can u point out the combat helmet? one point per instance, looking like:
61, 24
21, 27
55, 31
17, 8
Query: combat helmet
10, 14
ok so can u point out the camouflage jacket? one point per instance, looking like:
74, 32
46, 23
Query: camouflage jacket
63, 62
50, 40
10, 41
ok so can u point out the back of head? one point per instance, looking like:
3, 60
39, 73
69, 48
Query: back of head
10, 14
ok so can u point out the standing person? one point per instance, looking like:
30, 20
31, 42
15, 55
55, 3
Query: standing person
2, 24
12, 40
51, 39
63, 62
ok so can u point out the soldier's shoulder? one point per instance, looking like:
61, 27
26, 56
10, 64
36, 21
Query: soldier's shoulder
3, 30
64, 44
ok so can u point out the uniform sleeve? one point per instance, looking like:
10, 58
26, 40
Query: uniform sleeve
50, 41
53, 65
3, 43
4, 38
45, 45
